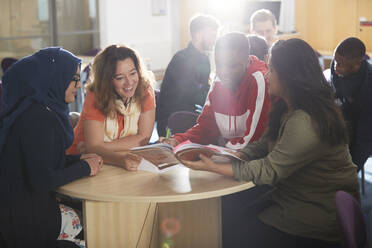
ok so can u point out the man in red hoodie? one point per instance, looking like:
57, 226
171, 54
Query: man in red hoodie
236, 110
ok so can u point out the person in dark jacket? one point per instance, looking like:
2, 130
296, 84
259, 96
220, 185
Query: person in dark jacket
186, 80
351, 79
35, 131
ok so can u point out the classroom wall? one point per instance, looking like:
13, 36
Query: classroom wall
188, 8
322, 23
230, 14
325, 23
132, 23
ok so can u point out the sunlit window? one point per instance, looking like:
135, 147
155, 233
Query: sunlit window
28, 25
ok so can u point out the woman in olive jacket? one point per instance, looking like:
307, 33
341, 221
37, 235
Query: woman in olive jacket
303, 154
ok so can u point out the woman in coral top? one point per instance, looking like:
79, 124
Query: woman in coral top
119, 109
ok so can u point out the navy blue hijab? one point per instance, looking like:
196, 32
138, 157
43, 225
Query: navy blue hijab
43, 78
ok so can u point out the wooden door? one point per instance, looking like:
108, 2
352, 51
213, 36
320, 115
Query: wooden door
364, 31
325, 23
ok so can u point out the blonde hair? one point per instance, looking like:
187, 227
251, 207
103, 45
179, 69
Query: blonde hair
200, 22
104, 68
262, 15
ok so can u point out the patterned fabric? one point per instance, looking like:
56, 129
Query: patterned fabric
70, 225
131, 114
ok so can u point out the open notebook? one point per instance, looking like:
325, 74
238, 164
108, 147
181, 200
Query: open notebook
164, 155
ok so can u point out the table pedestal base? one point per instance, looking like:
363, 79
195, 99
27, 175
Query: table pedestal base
147, 225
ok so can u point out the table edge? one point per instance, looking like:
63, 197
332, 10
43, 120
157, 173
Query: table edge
178, 197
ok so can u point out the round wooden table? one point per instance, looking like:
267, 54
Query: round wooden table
143, 209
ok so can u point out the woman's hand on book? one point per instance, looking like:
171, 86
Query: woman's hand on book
242, 155
170, 141
205, 164
131, 161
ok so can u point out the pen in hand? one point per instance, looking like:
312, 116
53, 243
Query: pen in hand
167, 135
168, 140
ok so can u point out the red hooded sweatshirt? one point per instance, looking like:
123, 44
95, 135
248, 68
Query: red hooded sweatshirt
240, 117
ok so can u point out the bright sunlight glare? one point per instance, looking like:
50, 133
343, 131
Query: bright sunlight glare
218, 6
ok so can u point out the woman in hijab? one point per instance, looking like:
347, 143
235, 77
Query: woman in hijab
35, 131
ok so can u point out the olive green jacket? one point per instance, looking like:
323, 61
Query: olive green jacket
306, 173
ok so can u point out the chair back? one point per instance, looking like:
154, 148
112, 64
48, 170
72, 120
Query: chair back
157, 95
85, 74
351, 221
181, 121
157, 101
74, 118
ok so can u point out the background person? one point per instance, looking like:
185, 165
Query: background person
264, 23
186, 80
351, 78
259, 47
